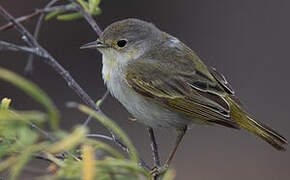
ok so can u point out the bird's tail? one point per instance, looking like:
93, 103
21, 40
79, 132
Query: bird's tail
262, 131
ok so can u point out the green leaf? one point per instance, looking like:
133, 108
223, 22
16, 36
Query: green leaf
21, 161
53, 14
93, 4
70, 141
7, 163
11, 122
27, 137
70, 169
133, 167
17, 163
35, 92
91, 7
4, 148
84, 4
25, 116
99, 102
107, 148
69, 17
96, 11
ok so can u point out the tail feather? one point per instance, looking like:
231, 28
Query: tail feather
259, 129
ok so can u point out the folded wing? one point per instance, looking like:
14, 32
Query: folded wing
188, 91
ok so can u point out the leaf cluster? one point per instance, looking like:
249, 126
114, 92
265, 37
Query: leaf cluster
90, 6
73, 154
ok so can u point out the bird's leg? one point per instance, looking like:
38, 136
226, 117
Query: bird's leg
154, 148
156, 168
181, 133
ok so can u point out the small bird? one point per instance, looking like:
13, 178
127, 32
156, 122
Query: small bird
163, 83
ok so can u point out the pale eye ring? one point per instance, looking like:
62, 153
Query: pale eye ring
121, 43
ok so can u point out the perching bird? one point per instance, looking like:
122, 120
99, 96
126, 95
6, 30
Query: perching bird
163, 83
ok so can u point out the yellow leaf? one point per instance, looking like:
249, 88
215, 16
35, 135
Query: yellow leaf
54, 159
69, 142
88, 162
5, 103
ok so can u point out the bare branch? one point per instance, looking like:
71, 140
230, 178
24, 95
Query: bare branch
50, 60
20, 19
12, 47
99, 104
29, 65
35, 14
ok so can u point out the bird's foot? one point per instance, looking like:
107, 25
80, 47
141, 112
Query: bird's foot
156, 171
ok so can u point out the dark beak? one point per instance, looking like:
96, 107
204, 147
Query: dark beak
95, 44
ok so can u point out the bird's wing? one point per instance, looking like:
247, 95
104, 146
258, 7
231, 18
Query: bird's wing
196, 93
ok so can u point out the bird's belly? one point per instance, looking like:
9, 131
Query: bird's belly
143, 109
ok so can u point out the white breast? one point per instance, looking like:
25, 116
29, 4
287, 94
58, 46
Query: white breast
143, 109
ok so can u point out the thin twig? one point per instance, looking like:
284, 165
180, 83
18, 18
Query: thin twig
100, 136
20, 19
101, 101
47, 134
154, 147
88, 17
36, 13
12, 47
29, 65
89, 118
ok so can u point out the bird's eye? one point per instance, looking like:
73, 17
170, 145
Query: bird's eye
121, 43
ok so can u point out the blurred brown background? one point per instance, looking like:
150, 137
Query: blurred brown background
248, 41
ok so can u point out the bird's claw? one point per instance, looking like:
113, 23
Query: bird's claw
158, 170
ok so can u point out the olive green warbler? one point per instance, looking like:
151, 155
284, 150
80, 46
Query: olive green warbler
163, 83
